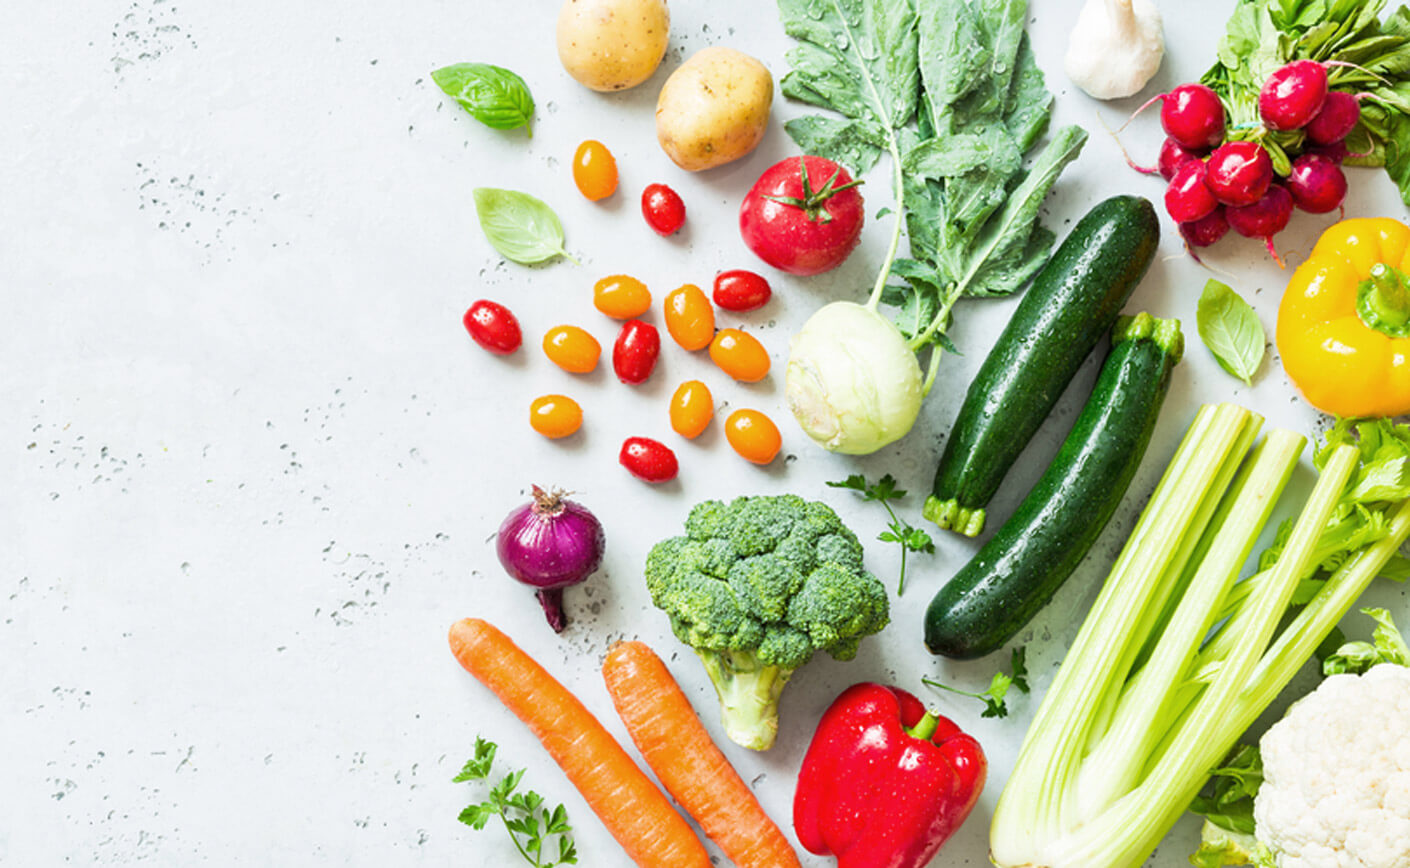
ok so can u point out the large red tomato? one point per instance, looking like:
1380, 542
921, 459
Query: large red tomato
804, 215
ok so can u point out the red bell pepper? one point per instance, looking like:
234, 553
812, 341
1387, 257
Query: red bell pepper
885, 782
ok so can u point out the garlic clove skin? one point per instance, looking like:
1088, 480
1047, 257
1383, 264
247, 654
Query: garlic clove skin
1115, 48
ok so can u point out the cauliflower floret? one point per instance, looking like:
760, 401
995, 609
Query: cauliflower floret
1336, 787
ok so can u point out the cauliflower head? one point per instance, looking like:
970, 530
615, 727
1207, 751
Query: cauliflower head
1336, 787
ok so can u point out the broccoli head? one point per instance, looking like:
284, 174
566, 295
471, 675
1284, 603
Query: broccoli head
756, 586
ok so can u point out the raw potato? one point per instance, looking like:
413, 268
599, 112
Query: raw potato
612, 44
714, 108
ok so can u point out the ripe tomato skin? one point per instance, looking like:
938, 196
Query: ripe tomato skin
797, 239
634, 354
621, 296
648, 460
692, 408
493, 327
740, 355
555, 416
663, 209
689, 317
572, 349
739, 290
595, 170
753, 435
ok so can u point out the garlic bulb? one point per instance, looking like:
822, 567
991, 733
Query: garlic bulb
1115, 48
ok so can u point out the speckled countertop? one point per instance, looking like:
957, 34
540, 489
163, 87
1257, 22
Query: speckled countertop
250, 464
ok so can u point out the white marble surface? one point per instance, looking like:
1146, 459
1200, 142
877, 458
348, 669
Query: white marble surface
250, 464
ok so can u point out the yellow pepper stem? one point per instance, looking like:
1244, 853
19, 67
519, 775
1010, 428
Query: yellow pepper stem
1383, 302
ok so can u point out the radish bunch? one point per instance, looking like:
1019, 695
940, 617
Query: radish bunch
1219, 182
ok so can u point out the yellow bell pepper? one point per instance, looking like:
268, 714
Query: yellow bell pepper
1344, 322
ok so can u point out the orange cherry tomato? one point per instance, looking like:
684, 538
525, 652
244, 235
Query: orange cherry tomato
621, 297
740, 355
692, 408
595, 170
572, 349
555, 416
753, 435
690, 318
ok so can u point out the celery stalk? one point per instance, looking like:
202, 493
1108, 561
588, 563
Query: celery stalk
1129, 830
1118, 762
1039, 810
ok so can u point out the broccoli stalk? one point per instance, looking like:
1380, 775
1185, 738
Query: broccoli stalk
756, 587
749, 692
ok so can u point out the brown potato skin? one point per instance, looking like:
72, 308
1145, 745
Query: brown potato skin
714, 108
611, 45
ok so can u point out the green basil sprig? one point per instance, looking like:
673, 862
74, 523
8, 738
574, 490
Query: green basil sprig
1231, 330
493, 95
520, 226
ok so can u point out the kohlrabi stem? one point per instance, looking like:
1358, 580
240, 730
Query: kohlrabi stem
936, 352
885, 274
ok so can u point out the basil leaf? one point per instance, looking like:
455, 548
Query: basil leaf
520, 227
1231, 330
493, 95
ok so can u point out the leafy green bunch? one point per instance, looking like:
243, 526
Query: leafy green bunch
951, 91
1366, 56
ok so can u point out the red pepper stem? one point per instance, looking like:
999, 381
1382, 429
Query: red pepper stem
925, 727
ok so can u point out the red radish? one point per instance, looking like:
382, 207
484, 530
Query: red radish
1338, 117
1188, 198
1317, 184
1336, 152
1264, 218
1193, 116
1238, 173
1206, 230
1293, 95
1172, 156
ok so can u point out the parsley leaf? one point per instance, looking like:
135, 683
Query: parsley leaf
522, 813
911, 539
994, 698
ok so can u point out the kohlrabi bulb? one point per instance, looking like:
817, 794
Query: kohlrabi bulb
852, 382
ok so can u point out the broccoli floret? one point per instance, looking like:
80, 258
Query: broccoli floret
756, 587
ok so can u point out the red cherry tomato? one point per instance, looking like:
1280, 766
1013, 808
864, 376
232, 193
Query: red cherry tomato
663, 209
634, 354
493, 327
804, 215
739, 290
648, 459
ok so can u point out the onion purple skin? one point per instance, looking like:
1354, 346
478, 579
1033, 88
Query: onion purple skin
550, 544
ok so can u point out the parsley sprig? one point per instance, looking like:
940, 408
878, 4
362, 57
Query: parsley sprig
528, 822
912, 539
994, 697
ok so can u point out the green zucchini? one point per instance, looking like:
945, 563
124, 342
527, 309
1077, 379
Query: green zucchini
1017, 572
1072, 303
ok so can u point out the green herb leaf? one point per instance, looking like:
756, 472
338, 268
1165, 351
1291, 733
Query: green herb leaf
523, 814
521, 227
994, 698
1231, 330
911, 539
493, 95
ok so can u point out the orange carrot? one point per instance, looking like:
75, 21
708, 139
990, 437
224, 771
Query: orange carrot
624, 798
679, 750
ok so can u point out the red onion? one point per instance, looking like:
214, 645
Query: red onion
550, 544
